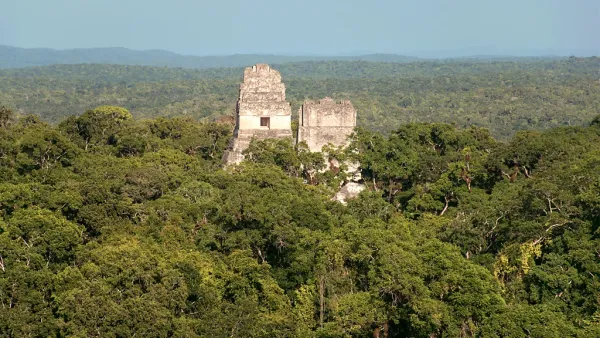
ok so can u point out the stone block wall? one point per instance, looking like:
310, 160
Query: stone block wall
262, 112
262, 97
326, 121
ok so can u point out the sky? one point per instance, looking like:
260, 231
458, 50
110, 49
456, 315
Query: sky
308, 27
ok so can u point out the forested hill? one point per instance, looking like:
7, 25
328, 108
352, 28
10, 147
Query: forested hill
502, 96
117, 227
114, 73
13, 57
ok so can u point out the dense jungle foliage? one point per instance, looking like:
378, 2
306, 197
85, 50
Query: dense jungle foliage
117, 227
503, 96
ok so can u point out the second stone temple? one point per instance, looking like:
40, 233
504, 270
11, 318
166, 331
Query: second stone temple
262, 112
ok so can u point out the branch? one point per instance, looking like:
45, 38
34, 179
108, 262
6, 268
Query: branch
26, 244
260, 254
375, 184
539, 240
555, 225
446, 206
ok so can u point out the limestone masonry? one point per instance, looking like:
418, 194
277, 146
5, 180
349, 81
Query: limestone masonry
262, 112
326, 122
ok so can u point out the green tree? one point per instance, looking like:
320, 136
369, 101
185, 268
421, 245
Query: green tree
97, 126
6, 116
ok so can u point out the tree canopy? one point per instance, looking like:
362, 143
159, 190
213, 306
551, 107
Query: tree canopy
114, 227
504, 96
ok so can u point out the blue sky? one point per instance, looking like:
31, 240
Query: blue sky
315, 27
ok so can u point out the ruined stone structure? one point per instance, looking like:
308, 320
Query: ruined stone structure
262, 111
326, 122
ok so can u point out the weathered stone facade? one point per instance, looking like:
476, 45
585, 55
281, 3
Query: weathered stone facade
326, 122
262, 111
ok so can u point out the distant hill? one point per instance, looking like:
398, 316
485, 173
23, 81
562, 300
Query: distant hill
13, 57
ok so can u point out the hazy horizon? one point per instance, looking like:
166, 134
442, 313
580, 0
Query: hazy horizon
473, 52
435, 28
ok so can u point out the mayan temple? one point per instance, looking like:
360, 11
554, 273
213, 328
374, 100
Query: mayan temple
262, 111
326, 122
